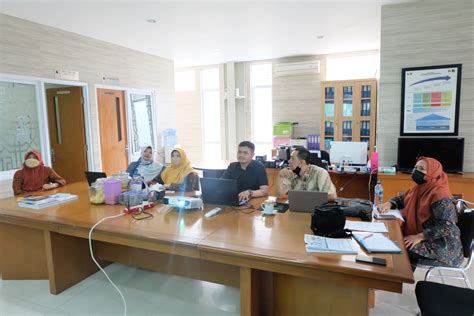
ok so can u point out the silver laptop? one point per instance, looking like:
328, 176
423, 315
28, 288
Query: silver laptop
306, 201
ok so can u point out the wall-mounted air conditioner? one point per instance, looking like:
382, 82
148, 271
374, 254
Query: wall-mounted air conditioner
299, 68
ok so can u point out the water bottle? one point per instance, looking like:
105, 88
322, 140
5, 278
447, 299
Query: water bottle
137, 183
378, 195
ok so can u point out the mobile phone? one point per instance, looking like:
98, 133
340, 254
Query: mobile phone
373, 260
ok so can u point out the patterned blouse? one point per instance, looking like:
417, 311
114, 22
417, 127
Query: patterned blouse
190, 183
442, 236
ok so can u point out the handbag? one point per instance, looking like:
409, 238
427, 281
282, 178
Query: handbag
328, 220
356, 207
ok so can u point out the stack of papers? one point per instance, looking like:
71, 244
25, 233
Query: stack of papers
387, 215
375, 242
329, 245
41, 201
374, 227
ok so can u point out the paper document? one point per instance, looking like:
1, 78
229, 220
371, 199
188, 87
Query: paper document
375, 227
375, 242
329, 245
396, 213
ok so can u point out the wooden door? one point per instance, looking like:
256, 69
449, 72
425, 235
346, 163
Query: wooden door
113, 130
67, 133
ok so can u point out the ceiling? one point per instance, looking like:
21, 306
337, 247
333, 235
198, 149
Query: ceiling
204, 32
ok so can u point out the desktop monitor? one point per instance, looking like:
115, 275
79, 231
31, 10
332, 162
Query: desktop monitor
353, 153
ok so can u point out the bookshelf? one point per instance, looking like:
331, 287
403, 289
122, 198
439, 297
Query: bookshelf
348, 112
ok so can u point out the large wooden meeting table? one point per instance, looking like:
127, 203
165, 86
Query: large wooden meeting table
262, 255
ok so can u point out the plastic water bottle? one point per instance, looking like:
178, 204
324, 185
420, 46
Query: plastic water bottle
378, 195
137, 183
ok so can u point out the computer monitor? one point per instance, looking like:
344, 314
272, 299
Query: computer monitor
448, 151
354, 153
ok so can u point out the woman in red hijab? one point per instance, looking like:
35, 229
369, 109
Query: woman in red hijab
430, 228
35, 176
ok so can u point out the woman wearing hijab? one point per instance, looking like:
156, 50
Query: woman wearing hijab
179, 175
145, 166
430, 228
35, 176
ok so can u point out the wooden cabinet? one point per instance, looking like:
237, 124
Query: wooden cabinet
348, 112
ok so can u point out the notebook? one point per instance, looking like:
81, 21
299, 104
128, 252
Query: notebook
37, 202
329, 245
375, 242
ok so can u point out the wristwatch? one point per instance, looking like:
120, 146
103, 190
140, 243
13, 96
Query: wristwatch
250, 193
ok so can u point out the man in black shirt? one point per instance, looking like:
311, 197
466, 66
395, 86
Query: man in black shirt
251, 175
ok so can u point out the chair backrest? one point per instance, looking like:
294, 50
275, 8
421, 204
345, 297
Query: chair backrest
466, 226
212, 173
325, 156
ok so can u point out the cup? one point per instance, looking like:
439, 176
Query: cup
268, 207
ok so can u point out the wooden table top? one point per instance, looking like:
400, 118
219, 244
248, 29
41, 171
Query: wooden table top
241, 233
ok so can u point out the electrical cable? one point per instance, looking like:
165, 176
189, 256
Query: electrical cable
98, 265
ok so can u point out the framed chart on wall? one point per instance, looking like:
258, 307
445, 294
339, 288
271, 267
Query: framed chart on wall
430, 100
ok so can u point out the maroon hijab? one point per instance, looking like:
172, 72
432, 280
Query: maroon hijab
33, 178
419, 198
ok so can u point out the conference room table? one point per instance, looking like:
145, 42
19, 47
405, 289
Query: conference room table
263, 255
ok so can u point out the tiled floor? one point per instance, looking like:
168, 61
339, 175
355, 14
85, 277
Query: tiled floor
152, 293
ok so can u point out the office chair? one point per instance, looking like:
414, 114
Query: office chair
466, 226
440, 299
212, 173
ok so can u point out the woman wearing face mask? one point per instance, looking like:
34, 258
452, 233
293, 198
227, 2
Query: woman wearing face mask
179, 176
35, 176
145, 166
430, 228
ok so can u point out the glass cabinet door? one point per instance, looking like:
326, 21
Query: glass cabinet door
366, 100
329, 101
347, 104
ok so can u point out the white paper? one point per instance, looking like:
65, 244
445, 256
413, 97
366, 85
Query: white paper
374, 227
329, 245
394, 212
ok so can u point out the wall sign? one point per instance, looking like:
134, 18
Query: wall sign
430, 100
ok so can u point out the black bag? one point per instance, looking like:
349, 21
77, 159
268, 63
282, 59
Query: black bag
328, 220
356, 207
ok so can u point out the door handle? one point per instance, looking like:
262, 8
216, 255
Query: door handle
53, 154
126, 149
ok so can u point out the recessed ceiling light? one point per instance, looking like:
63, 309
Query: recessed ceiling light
320, 36
151, 21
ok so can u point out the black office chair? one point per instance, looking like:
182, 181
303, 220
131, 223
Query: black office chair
436, 299
466, 226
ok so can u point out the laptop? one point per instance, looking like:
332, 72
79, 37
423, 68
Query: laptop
306, 201
92, 176
220, 191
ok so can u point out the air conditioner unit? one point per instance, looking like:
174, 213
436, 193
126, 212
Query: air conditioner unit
299, 68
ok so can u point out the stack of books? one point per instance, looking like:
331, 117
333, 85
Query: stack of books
41, 201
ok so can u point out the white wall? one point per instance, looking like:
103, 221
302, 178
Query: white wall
424, 34
32, 49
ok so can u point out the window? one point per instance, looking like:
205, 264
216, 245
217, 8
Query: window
20, 126
211, 114
356, 67
261, 103
185, 81
141, 109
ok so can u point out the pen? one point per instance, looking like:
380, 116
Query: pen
369, 235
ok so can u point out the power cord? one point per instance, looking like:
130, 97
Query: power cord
98, 265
